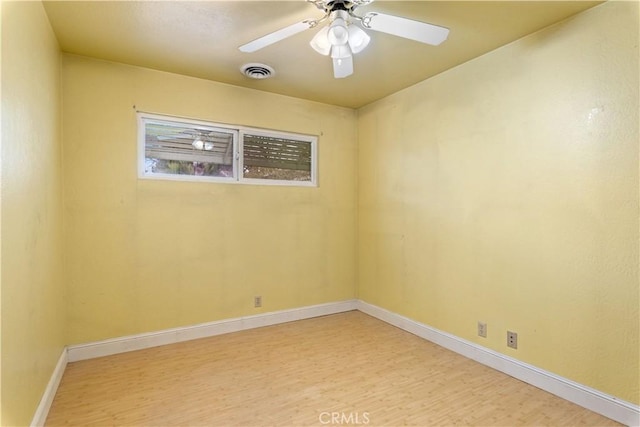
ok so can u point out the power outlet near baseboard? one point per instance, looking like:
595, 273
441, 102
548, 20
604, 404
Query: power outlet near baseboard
482, 329
512, 339
257, 301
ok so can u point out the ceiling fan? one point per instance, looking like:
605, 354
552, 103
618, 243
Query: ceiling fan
343, 38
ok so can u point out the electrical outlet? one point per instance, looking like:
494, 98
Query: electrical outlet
257, 301
512, 339
482, 329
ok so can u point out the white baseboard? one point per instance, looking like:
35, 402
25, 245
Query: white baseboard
204, 330
42, 410
594, 400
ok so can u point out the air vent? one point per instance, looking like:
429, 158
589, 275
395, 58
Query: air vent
257, 71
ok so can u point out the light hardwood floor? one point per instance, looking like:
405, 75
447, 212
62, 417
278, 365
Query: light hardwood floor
344, 369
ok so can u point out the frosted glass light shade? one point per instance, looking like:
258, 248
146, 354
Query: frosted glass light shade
341, 40
342, 67
320, 42
358, 39
338, 33
341, 51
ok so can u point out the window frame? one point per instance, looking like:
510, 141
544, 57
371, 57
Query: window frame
238, 132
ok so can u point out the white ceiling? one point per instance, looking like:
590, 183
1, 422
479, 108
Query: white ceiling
201, 38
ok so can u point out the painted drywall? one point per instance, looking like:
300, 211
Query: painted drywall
33, 307
506, 191
1, 213
145, 255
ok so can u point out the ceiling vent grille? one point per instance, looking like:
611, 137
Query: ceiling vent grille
257, 71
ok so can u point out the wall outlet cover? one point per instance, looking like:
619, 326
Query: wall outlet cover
482, 329
512, 339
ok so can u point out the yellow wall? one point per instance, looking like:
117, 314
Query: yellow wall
33, 308
146, 255
506, 190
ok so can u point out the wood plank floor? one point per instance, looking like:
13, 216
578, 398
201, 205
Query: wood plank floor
344, 369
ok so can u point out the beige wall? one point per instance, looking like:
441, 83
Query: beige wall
33, 307
506, 191
145, 255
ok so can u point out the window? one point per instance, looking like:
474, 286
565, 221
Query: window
181, 149
266, 156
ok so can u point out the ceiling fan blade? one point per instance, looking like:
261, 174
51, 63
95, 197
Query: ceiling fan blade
276, 36
342, 67
407, 28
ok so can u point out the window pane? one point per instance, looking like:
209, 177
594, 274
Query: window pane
268, 157
186, 149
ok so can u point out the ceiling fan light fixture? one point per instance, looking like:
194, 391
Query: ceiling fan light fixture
320, 42
338, 33
358, 39
342, 67
340, 52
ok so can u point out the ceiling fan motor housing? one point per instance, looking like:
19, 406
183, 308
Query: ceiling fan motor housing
332, 6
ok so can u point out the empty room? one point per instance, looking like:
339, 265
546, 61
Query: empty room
349, 212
